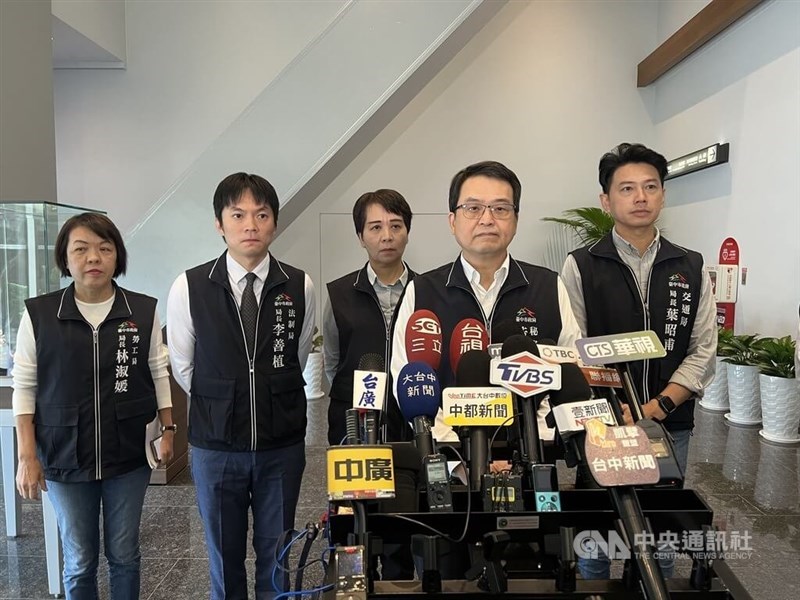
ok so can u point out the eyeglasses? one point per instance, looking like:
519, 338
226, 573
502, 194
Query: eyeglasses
474, 210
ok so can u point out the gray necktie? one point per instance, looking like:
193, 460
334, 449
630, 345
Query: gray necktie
249, 312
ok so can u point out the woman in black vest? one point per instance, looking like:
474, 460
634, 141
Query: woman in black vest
90, 373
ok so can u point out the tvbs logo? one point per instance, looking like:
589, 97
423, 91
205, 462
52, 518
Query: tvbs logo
525, 374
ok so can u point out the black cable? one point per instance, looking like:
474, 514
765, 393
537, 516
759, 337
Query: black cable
469, 507
312, 530
496, 431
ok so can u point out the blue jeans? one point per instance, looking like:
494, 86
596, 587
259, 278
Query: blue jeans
600, 568
77, 508
228, 485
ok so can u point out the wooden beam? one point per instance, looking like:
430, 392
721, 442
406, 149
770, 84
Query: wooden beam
715, 18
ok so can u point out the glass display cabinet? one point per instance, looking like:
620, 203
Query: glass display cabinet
28, 233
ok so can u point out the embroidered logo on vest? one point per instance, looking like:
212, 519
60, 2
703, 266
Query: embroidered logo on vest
678, 280
526, 319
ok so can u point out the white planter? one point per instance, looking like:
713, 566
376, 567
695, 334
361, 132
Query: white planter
715, 397
780, 407
740, 464
743, 395
776, 486
313, 376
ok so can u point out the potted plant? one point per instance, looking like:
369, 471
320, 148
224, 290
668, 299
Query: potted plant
780, 394
742, 376
314, 368
715, 397
589, 223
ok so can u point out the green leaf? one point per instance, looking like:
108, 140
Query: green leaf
589, 223
775, 357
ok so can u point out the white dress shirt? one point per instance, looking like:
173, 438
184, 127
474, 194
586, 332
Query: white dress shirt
180, 327
570, 333
388, 297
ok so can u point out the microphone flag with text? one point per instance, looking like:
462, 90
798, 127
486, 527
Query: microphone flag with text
472, 404
419, 397
468, 334
369, 394
581, 424
424, 338
618, 350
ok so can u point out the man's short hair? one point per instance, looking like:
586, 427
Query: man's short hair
230, 190
392, 202
625, 154
487, 168
102, 227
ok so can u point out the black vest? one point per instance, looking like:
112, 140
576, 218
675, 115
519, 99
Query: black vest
528, 298
614, 305
238, 404
95, 393
362, 330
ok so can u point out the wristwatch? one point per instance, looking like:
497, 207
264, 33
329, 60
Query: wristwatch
173, 428
666, 404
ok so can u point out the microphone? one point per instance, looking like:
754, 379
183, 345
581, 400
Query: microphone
473, 371
530, 432
419, 395
424, 338
468, 334
543, 477
369, 393
572, 407
500, 333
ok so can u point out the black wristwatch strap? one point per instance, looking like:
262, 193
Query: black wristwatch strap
173, 428
666, 404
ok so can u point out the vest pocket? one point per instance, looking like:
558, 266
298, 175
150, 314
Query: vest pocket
211, 410
133, 415
288, 404
57, 436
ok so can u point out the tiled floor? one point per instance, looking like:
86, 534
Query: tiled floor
752, 486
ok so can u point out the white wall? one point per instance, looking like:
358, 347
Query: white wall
546, 88
743, 88
102, 21
124, 137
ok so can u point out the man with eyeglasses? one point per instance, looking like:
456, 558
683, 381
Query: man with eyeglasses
485, 282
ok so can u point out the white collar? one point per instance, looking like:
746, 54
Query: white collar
237, 272
473, 276
623, 244
373, 276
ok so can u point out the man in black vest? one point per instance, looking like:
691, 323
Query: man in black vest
358, 315
240, 330
635, 279
485, 282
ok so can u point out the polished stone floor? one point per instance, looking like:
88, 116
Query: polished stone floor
751, 485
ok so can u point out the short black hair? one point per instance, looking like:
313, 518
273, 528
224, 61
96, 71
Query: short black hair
391, 200
101, 226
230, 190
625, 154
487, 168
